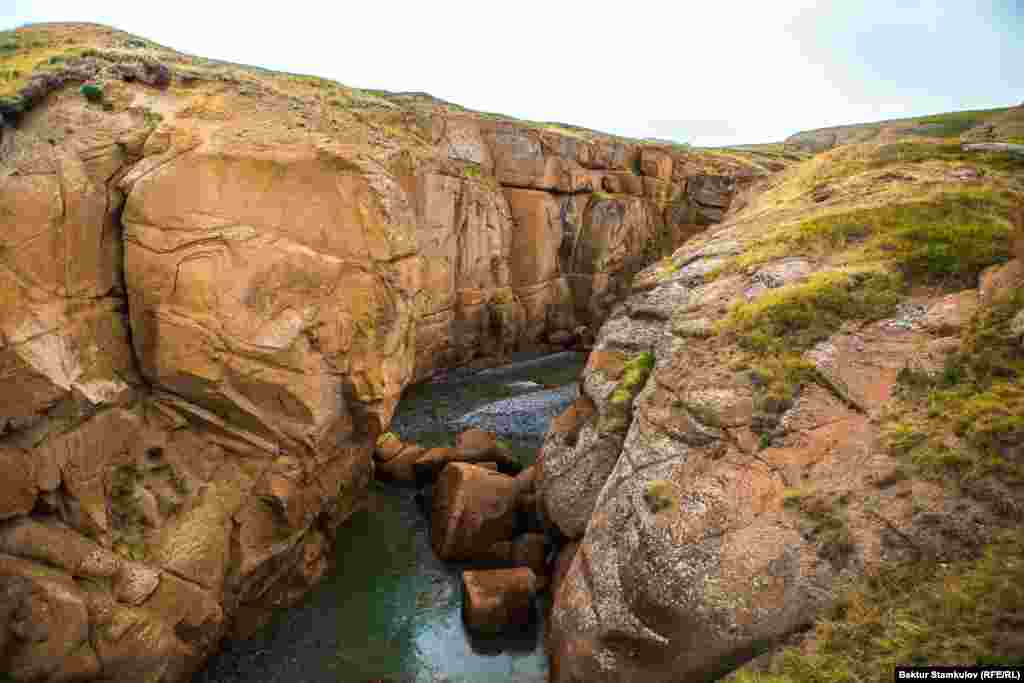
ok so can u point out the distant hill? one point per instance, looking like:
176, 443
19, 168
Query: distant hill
1003, 125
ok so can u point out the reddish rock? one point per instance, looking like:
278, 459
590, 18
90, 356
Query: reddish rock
473, 509
401, 467
655, 164
497, 599
388, 447
951, 313
476, 443
1001, 281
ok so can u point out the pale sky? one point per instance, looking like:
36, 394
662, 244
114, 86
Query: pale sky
713, 72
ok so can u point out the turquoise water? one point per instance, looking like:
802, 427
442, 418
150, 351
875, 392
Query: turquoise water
389, 610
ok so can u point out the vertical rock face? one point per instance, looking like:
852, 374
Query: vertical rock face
718, 495
214, 287
527, 233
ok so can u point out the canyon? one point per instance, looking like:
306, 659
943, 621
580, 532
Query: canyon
217, 282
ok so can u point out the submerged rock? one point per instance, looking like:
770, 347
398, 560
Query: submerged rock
497, 599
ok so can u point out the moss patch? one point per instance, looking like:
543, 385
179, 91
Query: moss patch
967, 421
800, 315
660, 495
634, 375
827, 523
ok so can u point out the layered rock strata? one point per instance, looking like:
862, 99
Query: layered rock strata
215, 283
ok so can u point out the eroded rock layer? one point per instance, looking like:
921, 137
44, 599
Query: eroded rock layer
761, 420
215, 283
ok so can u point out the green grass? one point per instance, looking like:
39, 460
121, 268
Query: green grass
979, 397
921, 613
827, 523
92, 92
953, 124
660, 495
919, 152
946, 240
634, 376
798, 316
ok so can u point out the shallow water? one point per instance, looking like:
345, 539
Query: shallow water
389, 609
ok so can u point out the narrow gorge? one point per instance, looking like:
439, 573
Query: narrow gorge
236, 306
217, 282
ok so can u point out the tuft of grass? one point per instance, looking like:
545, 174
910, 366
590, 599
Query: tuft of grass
800, 315
967, 421
92, 92
965, 613
827, 523
635, 373
949, 240
660, 495
777, 380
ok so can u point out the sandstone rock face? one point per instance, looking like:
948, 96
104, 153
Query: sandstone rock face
215, 284
497, 599
705, 528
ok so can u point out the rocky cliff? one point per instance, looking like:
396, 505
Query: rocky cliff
216, 281
826, 385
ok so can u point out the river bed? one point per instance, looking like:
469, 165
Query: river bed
389, 610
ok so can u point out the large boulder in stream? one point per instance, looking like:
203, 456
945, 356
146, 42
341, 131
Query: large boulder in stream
496, 599
473, 509
471, 446
215, 284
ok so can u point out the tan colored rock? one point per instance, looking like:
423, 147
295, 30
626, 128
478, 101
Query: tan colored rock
402, 467
623, 183
497, 599
951, 313
536, 238
480, 449
473, 509
19, 488
51, 622
476, 444
998, 282
388, 447
209, 307
655, 164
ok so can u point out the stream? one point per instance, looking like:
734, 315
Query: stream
389, 611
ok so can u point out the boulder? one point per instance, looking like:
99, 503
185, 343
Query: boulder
496, 599
472, 446
402, 466
999, 282
951, 313
475, 444
526, 550
473, 509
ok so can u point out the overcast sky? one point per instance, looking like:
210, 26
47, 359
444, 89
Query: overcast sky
712, 72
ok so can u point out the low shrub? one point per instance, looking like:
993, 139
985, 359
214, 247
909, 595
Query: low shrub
800, 315
92, 92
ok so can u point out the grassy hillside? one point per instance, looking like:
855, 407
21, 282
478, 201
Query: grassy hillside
1003, 125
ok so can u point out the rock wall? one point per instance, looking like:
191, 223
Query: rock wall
527, 234
212, 294
717, 500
